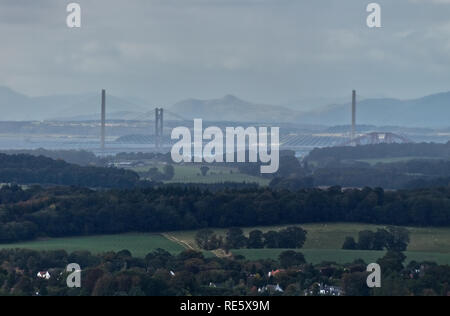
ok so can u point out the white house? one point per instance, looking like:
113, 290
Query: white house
43, 275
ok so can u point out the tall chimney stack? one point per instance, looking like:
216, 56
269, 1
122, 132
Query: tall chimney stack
103, 119
353, 114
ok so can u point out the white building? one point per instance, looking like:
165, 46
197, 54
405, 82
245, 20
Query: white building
43, 275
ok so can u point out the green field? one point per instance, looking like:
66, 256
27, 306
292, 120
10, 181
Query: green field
139, 244
323, 244
216, 174
332, 236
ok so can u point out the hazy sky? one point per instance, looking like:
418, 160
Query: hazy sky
271, 51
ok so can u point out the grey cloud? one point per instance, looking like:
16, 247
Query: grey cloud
267, 51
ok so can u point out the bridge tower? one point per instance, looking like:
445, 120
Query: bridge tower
159, 126
103, 120
353, 115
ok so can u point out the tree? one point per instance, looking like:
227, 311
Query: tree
365, 240
291, 258
23, 287
392, 262
90, 278
203, 238
399, 238
124, 254
272, 239
215, 242
393, 238
380, 239
235, 238
104, 286
154, 174
393, 285
255, 239
292, 237
204, 170
169, 172
350, 244
355, 284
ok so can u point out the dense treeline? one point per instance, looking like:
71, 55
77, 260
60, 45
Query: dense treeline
428, 183
360, 175
289, 165
289, 238
416, 173
40, 169
391, 239
88, 158
14, 194
67, 211
431, 168
191, 274
141, 156
79, 157
323, 155
27, 169
397, 175
343, 166
214, 187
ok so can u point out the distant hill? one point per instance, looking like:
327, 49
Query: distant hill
89, 104
429, 111
119, 115
231, 108
14, 105
19, 107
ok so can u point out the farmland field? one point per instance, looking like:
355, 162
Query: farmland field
216, 174
332, 236
139, 244
191, 174
324, 242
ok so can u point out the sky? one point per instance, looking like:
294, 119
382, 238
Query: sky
286, 52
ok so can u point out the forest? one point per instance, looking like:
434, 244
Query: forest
322, 155
293, 174
398, 175
417, 166
28, 169
26, 214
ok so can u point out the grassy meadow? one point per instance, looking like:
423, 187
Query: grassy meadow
324, 242
216, 174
